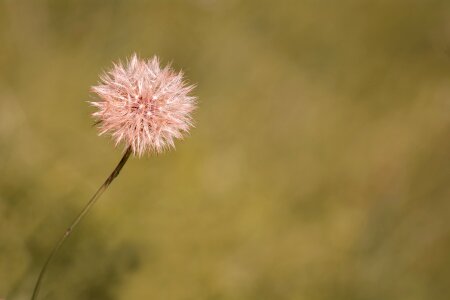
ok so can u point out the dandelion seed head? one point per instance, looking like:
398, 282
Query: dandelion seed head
144, 105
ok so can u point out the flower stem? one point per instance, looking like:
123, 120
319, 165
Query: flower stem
88, 206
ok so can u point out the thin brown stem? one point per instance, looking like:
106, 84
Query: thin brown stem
77, 220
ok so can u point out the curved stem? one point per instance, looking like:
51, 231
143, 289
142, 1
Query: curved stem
88, 206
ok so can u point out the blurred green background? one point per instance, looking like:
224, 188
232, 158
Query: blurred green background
319, 167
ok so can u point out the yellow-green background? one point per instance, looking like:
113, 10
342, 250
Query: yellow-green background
319, 167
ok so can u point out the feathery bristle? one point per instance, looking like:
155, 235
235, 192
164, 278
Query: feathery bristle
143, 105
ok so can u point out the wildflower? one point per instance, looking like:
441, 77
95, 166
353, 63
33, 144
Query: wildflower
146, 107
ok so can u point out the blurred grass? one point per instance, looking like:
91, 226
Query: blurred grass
319, 168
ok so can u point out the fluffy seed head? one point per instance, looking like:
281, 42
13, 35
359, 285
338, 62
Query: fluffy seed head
144, 105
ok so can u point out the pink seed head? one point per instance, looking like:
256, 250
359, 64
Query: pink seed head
144, 105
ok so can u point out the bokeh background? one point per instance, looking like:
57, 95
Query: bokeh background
319, 167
